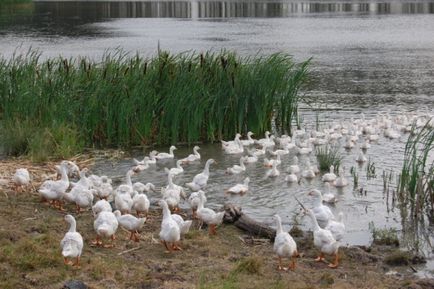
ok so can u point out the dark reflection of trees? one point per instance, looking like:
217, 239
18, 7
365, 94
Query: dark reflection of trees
69, 18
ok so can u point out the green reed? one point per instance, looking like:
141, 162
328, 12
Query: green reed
416, 183
328, 156
126, 100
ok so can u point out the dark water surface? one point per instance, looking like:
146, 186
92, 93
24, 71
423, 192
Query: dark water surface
368, 56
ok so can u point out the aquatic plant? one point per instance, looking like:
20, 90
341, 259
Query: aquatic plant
355, 176
370, 170
385, 236
328, 156
416, 183
125, 100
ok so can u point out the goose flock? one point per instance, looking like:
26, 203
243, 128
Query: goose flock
127, 205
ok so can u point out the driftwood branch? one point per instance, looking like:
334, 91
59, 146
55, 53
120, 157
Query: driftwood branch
234, 215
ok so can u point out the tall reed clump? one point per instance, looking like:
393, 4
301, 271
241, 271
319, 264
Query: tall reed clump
416, 184
328, 156
124, 100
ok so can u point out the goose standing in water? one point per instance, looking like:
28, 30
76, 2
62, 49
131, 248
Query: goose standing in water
249, 140
240, 188
192, 157
200, 180
164, 156
330, 176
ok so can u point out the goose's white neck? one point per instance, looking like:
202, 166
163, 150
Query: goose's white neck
195, 152
314, 221
206, 170
64, 174
318, 201
169, 180
72, 225
166, 211
128, 178
279, 228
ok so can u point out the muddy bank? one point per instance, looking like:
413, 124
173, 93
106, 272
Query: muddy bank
30, 257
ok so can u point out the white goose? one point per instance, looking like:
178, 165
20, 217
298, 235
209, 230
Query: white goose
131, 224
100, 206
72, 243
291, 178
84, 180
251, 157
234, 148
284, 245
141, 165
177, 170
184, 226
269, 163
341, 181
322, 213
267, 141
249, 140
194, 200
152, 159
84, 199
105, 226
235, 142
294, 168
208, 216
200, 180
21, 178
237, 169
361, 158
141, 188
105, 190
257, 152
330, 176
170, 234
192, 157
163, 156
54, 191
273, 172
172, 194
123, 199
308, 173
337, 227
240, 188
141, 204
324, 241
328, 196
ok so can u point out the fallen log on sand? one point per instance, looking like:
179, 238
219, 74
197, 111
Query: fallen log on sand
234, 215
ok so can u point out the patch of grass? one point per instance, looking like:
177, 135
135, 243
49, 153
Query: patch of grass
386, 236
249, 265
397, 258
328, 156
41, 143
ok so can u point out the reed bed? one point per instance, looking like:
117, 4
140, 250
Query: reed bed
328, 156
124, 101
416, 183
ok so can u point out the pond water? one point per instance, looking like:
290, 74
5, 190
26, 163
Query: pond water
368, 57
